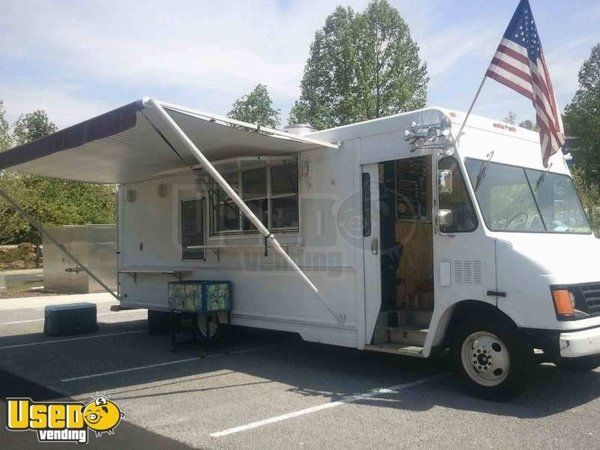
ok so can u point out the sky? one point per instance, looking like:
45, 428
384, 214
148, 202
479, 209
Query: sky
78, 59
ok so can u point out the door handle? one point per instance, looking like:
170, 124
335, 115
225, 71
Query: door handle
374, 246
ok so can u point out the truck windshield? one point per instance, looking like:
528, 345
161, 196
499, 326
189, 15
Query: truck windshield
525, 200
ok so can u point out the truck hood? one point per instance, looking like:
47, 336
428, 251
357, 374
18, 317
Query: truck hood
560, 259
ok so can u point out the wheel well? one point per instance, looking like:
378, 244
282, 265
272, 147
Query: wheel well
468, 309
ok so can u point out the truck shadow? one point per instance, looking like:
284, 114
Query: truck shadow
266, 357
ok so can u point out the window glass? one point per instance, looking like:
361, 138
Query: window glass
284, 179
192, 228
525, 200
227, 216
366, 204
504, 197
558, 202
464, 218
261, 209
273, 199
254, 183
284, 212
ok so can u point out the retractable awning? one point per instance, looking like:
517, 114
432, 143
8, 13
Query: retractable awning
133, 143
149, 138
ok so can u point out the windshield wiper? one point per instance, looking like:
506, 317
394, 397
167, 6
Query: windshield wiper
542, 177
483, 170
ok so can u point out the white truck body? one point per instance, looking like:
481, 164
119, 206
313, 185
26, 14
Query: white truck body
333, 240
339, 262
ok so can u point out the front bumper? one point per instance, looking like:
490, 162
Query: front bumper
580, 343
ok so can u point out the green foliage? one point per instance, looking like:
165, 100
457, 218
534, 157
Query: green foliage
582, 121
582, 118
5, 137
590, 197
51, 201
529, 125
32, 126
361, 66
256, 107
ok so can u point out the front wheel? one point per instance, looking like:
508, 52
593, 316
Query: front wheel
492, 360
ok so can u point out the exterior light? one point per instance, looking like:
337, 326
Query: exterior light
446, 126
564, 304
432, 133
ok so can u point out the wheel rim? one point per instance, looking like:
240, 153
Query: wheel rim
208, 326
485, 358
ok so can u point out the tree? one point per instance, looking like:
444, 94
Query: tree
511, 118
5, 138
361, 66
32, 126
51, 201
582, 117
590, 197
256, 107
528, 125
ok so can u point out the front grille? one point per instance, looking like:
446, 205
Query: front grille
591, 294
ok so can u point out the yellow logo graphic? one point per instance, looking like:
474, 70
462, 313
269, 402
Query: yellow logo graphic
63, 421
102, 416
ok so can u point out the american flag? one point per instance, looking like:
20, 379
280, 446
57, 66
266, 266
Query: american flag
519, 63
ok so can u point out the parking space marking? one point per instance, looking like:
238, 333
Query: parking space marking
132, 369
81, 338
17, 322
343, 401
168, 363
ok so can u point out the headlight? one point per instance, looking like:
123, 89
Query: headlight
565, 304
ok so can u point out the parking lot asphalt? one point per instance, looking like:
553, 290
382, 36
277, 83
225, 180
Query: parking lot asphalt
271, 390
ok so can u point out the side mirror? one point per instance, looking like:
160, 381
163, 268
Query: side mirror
445, 218
445, 183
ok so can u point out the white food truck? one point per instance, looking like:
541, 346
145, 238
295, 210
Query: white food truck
392, 235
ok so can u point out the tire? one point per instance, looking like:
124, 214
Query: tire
582, 364
491, 359
216, 330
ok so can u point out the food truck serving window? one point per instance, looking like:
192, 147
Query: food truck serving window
192, 229
270, 191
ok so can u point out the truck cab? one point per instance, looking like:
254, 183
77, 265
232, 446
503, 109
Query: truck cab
514, 261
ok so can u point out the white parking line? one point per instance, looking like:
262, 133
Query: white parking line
168, 363
345, 400
132, 369
81, 338
41, 320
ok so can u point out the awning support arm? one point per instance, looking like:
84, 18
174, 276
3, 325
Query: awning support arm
215, 175
51, 238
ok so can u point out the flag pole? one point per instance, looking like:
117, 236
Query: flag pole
462, 127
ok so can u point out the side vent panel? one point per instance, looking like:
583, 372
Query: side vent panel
468, 272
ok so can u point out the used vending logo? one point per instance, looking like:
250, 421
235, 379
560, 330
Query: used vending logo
63, 421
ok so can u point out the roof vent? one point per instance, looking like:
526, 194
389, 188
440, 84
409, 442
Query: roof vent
299, 129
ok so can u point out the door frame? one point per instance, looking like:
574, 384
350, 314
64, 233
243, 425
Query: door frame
371, 247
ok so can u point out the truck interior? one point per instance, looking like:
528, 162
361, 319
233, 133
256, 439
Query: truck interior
406, 254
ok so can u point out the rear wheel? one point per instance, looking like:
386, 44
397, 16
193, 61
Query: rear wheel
492, 360
583, 364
